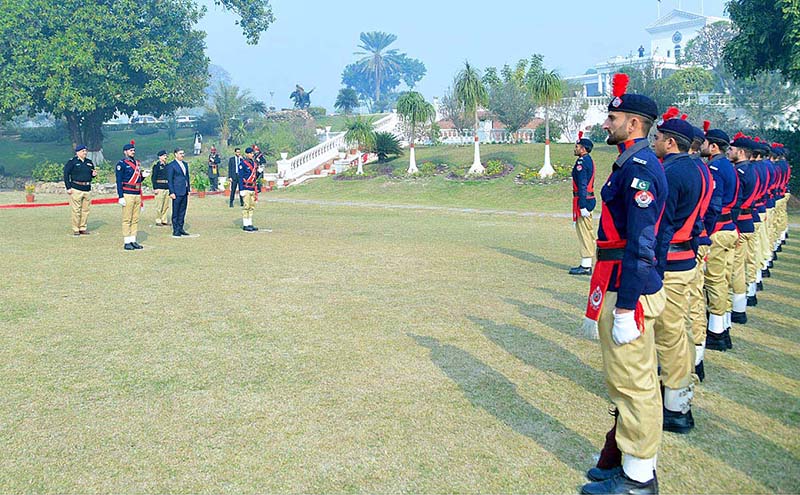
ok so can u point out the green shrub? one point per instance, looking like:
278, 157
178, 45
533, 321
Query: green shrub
427, 169
48, 172
529, 174
316, 111
57, 133
145, 129
386, 144
494, 167
200, 181
597, 134
555, 132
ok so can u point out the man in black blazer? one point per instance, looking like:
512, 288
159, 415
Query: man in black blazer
233, 175
178, 181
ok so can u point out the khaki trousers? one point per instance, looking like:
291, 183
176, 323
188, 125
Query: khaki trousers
586, 235
632, 379
130, 215
162, 206
719, 270
81, 203
772, 216
764, 251
249, 205
698, 322
742, 263
674, 344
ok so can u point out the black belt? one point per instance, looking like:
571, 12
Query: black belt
680, 247
725, 217
744, 211
588, 196
610, 254
81, 183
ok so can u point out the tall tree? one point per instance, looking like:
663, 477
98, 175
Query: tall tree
768, 39
414, 110
547, 90
93, 57
471, 93
381, 70
229, 102
346, 101
764, 98
569, 112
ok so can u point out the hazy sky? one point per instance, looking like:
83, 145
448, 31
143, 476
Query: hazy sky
311, 42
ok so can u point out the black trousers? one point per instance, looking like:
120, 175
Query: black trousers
234, 187
179, 212
212, 179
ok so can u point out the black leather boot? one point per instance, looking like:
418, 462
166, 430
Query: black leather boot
678, 422
621, 484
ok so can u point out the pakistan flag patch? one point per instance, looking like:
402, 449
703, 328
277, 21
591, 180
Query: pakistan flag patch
640, 184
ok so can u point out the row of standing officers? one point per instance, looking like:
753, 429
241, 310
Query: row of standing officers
689, 227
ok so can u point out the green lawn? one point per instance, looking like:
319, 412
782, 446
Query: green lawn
353, 349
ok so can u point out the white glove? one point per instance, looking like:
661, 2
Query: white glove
121, 201
589, 329
141, 207
585, 213
260, 170
145, 173
242, 193
625, 330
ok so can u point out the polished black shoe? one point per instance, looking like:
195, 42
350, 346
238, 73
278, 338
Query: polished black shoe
580, 270
783, 242
759, 285
621, 484
700, 371
770, 265
129, 247
84, 232
779, 250
716, 341
253, 228
752, 300
136, 245
230, 205
739, 317
76, 234
249, 228
678, 422
728, 342
774, 258
765, 273
597, 474
183, 232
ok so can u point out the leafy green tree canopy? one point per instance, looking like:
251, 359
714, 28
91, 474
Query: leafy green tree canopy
768, 39
85, 59
346, 101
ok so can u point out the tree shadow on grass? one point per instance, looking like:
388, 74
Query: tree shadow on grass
492, 391
772, 307
784, 273
755, 395
543, 354
577, 298
746, 451
531, 258
768, 358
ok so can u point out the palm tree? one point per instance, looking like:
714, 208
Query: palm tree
414, 110
377, 61
360, 131
228, 102
547, 89
346, 101
470, 92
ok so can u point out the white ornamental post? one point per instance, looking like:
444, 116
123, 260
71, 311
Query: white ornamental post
476, 168
412, 164
283, 165
547, 170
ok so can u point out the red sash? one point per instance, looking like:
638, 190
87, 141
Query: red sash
601, 277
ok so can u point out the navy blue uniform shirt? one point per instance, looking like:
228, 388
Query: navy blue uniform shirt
747, 185
582, 173
634, 196
725, 185
685, 190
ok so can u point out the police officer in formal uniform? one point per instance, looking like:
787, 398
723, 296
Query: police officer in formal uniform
161, 189
129, 190
583, 203
676, 254
213, 167
723, 235
710, 207
759, 219
744, 263
768, 219
248, 175
78, 174
626, 296
780, 204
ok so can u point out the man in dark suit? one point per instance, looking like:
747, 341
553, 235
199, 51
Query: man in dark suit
233, 175
178, 181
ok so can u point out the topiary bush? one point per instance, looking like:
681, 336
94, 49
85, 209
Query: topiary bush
48, 172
